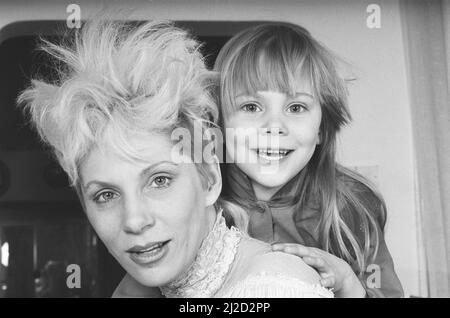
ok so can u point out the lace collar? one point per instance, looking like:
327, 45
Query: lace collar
207, 273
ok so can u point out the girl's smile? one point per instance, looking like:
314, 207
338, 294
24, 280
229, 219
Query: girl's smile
270, 154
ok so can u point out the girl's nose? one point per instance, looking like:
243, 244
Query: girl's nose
275, 125
137, 216
274, 130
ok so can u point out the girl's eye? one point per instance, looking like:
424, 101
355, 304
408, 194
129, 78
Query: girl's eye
105, 197
296, 108
251, 108
161, 182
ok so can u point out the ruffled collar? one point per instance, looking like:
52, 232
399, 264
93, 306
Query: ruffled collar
208, 272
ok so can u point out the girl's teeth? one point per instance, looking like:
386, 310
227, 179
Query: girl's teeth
272, 154
270, 157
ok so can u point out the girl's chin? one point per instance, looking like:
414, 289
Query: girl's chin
268, 177
270, 185
269, 182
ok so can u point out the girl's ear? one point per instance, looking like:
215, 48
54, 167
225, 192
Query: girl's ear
319, 138
214, 187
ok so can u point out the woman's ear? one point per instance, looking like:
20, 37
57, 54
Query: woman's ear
214, 187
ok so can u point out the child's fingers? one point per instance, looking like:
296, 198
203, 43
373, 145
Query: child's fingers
328, 282
296, 249
279, 246
319, 264
325, 275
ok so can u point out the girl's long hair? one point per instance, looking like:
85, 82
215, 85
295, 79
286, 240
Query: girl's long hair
273, 56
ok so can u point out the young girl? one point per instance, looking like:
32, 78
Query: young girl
278, 81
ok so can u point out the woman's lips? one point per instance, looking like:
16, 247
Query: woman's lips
149, 254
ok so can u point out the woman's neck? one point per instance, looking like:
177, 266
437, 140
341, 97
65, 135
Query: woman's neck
211, 217
207, 274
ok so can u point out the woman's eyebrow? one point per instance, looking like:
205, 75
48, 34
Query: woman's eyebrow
143, 173
152, 167
96, 182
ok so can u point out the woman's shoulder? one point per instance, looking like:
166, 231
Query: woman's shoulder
283, 264
259, 257
273, 285
260, 272
265, 273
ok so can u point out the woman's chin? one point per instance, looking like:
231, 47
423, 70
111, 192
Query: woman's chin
154, 277
157, 275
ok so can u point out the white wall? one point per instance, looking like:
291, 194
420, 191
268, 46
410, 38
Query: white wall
381, 132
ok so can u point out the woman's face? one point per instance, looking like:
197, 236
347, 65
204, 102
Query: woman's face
282, 133
151, 216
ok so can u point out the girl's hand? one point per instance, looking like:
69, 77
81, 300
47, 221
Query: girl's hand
334, 272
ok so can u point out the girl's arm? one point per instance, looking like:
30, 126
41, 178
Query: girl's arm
380, 279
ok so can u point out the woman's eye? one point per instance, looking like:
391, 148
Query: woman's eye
251, 108
296, 108
105, 197
161, 182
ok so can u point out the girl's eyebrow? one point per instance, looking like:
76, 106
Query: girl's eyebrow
297, 94
243, 95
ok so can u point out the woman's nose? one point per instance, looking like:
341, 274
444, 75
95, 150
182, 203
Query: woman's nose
137, 216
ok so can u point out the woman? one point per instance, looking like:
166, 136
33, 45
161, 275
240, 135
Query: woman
109, 118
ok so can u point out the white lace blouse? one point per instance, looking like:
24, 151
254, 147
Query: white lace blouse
231, 264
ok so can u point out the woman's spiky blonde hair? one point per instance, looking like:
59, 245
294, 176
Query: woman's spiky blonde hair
116, 80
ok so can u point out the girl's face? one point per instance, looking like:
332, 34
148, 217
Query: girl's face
152, 216
280, 135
